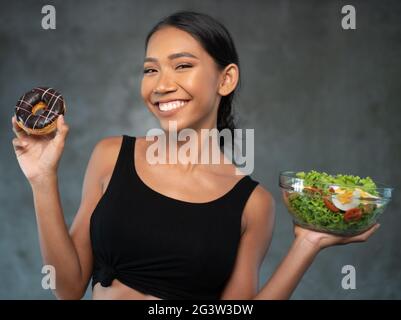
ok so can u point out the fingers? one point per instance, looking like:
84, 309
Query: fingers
19, 146
19, 132
364, 236
62, 129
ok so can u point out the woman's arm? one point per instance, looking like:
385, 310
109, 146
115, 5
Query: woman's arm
69, 253
303, 251
39, 157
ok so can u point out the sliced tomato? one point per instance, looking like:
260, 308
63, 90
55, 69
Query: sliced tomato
330, 205
353, 214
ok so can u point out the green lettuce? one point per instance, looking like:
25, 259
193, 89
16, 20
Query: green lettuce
323, 180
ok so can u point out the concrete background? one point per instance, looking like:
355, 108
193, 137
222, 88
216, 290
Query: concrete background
317, 96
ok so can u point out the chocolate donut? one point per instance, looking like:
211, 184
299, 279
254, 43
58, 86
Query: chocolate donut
37, 110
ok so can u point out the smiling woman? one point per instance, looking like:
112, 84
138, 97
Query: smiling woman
185, 84
172, 230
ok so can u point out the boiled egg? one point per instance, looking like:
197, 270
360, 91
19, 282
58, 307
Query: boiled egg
345, 199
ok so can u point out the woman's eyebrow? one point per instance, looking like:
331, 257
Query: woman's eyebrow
173, 56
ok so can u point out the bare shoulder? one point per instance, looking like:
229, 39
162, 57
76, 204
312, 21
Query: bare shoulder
107, 145
261, 197
105, 154
260, 207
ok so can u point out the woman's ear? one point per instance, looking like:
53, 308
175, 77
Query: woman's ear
229, 79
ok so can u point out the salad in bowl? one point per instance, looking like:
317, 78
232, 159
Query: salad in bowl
339, 204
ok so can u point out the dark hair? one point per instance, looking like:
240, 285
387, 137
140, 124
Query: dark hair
217, 42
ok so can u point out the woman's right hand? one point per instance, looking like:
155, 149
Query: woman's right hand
39, 156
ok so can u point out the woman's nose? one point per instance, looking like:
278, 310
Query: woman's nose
164, 84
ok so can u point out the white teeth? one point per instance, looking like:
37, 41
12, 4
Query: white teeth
171, 105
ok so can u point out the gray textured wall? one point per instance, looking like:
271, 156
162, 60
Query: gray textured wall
317, 96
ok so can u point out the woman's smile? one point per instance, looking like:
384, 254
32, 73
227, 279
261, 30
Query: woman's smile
170, 107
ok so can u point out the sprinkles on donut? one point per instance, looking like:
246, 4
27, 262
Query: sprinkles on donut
37, 110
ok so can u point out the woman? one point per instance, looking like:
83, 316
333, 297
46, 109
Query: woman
166, 231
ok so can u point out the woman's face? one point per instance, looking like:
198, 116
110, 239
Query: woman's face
177, 68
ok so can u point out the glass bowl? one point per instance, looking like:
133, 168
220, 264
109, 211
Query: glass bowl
333, 208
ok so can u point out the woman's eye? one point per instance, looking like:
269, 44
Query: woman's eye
148, 70
184, 66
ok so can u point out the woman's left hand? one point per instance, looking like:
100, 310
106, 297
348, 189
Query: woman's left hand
324, 240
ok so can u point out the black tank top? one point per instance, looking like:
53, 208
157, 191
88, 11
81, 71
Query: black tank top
165, 247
